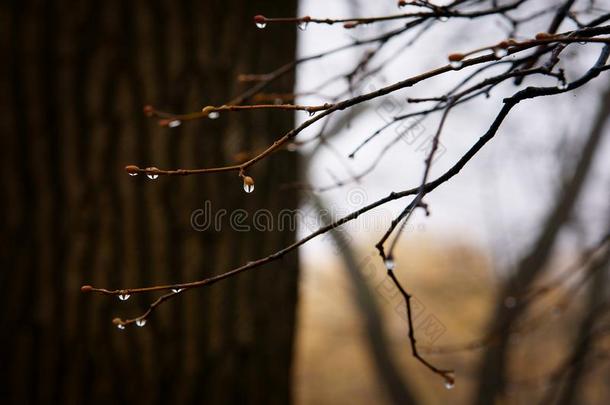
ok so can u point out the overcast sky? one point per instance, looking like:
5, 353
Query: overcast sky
498, 201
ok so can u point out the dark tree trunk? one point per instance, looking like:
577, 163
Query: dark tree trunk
74, 78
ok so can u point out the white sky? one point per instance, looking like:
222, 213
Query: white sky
498, 200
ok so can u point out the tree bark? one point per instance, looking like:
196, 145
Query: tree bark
74, 79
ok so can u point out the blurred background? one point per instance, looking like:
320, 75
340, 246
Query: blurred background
509, 272
532, 201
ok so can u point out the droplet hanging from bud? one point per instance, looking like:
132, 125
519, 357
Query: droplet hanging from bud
210, 112
500, 52
151, 173
124, 297
260, 21
449, 377
248, 184
177, 290
302, 25
132, 170
119, 323
389, 263
456, 64
456, 60
174, 123
141, 322
443, 18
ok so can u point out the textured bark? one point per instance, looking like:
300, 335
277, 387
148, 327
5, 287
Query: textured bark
74, 78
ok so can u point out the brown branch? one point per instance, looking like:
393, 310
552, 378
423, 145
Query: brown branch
329, 109
439, 13
509, 103
445, 103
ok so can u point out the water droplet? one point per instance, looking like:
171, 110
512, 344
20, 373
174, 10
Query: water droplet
213, 115
449, 384
124, 297
248, 184
456, 64
177, 290
152, 176
510, 302
141, 322
132, 170
260, 21
174, 123
443, 18
389, 263
500, 52
562, 85
302, 25
311, 113
121, 326
291, 147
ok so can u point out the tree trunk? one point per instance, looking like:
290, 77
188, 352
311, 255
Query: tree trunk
73, 81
